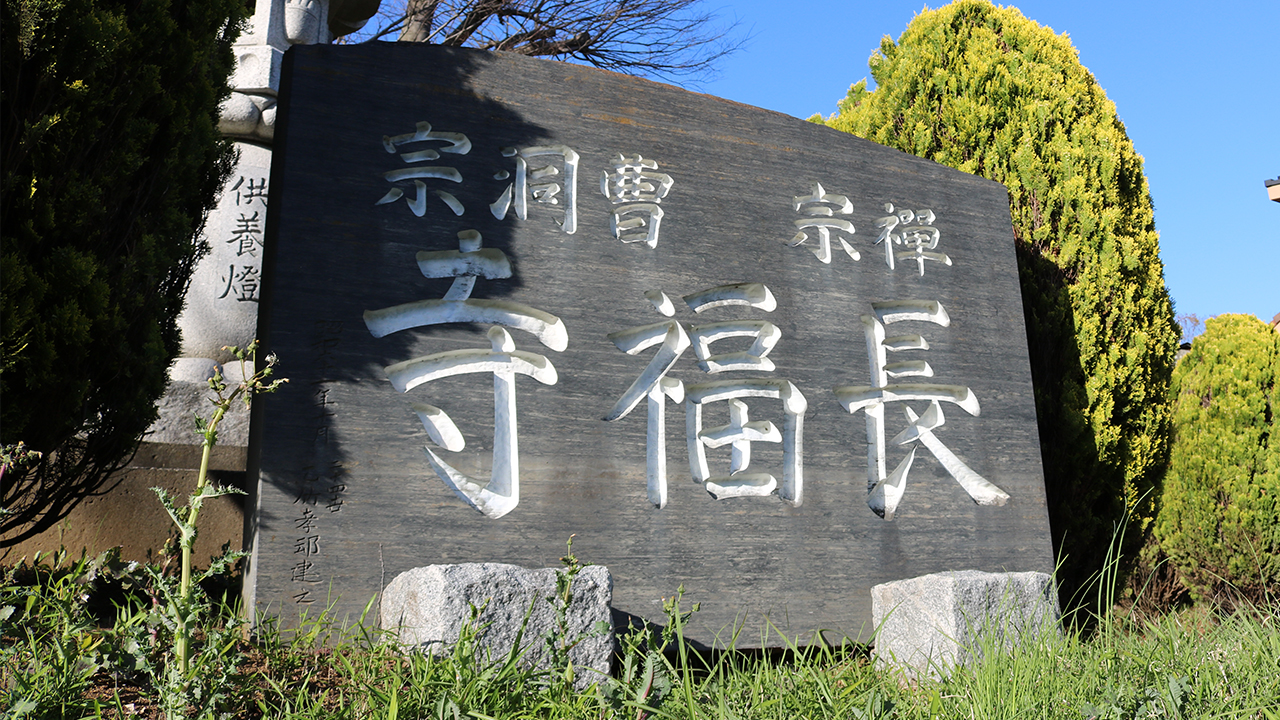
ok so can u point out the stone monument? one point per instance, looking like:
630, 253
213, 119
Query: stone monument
222, 301
729, 350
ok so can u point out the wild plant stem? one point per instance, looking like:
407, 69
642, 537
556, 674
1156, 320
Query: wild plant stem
686, 675
189, 534
183, 606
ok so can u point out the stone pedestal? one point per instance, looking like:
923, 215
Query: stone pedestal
930, 624
221, 306
429, 606
189, 395
130, 516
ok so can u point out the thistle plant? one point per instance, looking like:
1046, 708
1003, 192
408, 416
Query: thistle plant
557, 638
186, 517
15, 457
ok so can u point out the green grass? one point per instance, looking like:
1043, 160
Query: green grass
88, 638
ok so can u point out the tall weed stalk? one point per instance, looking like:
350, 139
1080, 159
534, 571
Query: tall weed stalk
183, 606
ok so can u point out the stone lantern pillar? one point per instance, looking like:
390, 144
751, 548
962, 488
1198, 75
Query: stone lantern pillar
222, 301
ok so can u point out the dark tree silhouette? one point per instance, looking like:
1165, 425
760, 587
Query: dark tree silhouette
112, 157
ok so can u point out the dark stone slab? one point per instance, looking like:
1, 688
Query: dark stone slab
348, 499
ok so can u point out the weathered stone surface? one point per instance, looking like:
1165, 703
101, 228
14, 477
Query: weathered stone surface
188, 396
222, 301
929, 624
429, 606
407, 232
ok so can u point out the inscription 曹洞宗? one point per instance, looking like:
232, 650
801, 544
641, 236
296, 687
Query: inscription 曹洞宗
636, 188
457, 144
544, 183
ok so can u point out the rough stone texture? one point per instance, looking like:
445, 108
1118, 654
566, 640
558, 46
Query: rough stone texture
222, 302
931, 623
249, 114
188, 396
344, 470
430, 605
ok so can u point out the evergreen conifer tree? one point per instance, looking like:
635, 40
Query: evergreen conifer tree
1219, 519
112, 157
985, 90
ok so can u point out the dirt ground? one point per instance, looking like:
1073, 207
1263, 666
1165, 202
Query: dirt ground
130, 515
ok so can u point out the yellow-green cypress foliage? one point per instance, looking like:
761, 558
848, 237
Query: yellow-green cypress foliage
985, 90
1220, 510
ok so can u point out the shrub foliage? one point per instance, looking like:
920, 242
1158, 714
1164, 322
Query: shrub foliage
1220, 510
112, 157
985, 90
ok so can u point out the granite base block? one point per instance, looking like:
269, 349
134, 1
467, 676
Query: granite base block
429, 606
933, 623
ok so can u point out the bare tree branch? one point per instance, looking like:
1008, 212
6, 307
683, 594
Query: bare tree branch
415, 24
659, 38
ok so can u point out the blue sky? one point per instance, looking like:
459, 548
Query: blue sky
1197, 87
